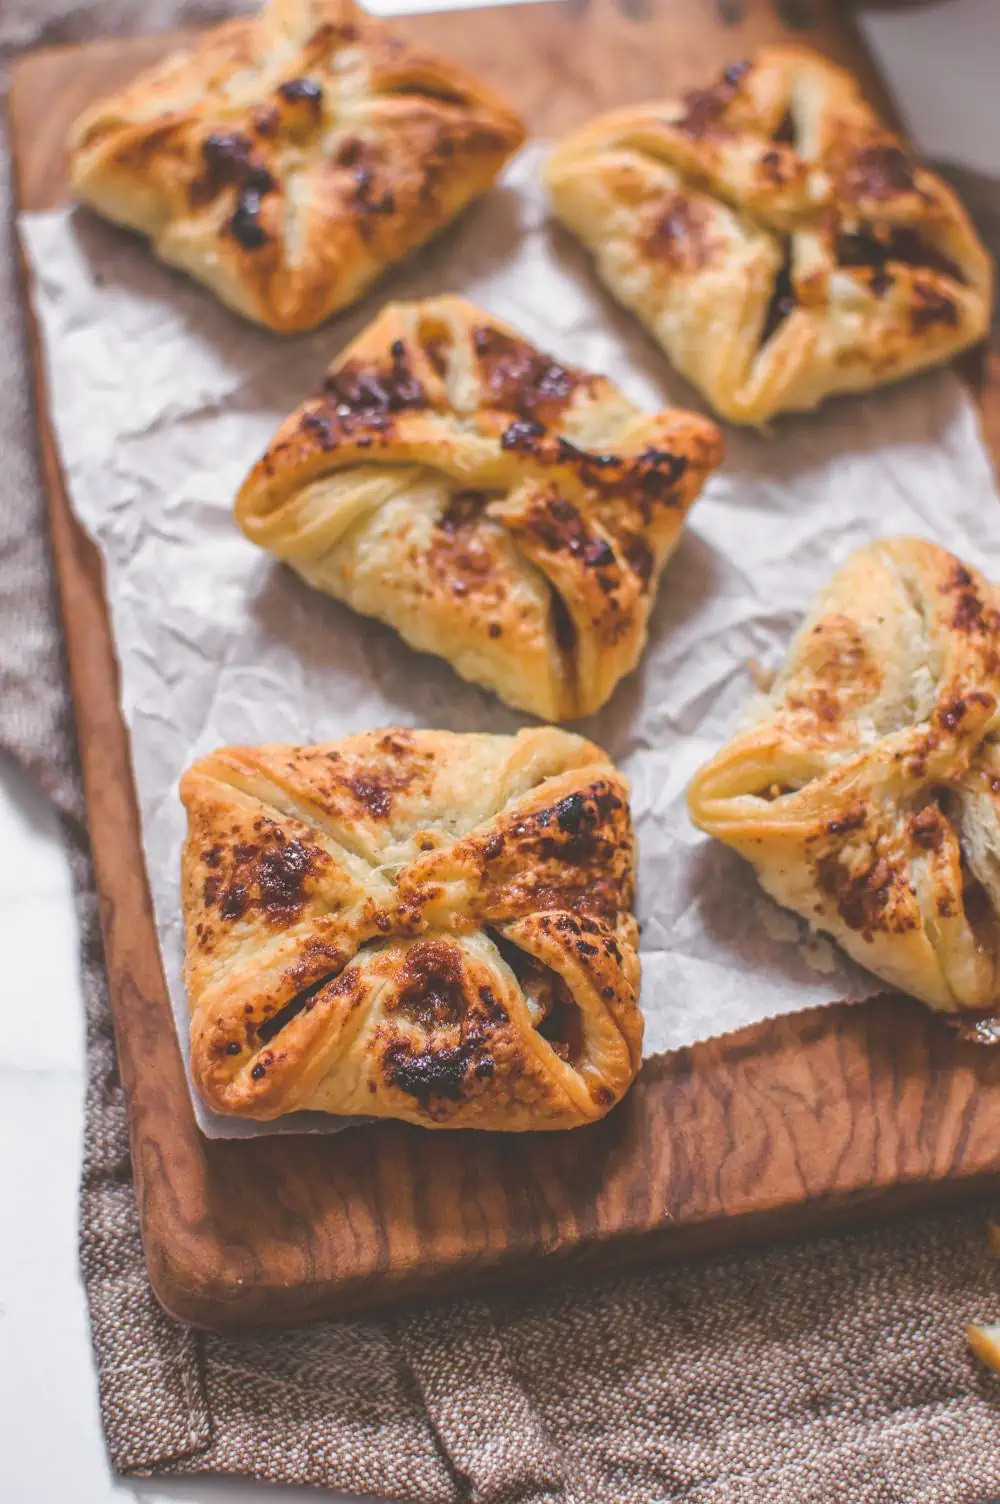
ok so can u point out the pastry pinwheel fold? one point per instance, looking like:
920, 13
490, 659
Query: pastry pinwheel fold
779, 242
510, 513
866, 792
415, 925
287, 159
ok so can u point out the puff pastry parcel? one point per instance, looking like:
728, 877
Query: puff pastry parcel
413, 924
867, 792
287, 160
496, 507
778, 241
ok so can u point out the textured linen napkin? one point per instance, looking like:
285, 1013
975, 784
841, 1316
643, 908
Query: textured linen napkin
828, 1371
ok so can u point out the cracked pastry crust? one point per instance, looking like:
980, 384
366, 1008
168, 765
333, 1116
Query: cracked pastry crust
413, 924
502, 510
867, 793
288, 159
779, 242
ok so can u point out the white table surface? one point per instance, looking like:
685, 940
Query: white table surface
943, 62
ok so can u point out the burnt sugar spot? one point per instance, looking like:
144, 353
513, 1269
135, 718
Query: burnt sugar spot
559, 526
582, 829
360, 397
231, 159
373, 794
866, 894
643, 481
376, 785
518, 379
571, 813
431, 1072
653, 478
305, 92
524, 436
678, 235
368, 191
432, 985
971, 614
880, 171
704, 109
855, 818
461, 557
244, 223
268, 878
928, 828
463, 509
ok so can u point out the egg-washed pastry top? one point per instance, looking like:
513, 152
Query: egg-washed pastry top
867, 791
413, 924
287, 159
497, 507
781, 244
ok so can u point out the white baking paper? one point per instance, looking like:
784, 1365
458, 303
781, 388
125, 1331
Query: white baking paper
163, 400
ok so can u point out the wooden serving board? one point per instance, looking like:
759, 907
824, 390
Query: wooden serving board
806, 1122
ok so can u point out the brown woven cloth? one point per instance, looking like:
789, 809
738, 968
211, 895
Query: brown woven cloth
830, 1371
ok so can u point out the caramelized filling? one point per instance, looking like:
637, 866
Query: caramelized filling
979, 913
875, 247
786, 132
554, 1012
269, 1027
783, 300
564, 632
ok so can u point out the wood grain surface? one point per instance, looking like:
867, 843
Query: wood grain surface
811, 1121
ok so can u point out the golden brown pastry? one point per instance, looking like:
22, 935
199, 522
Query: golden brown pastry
413, 924
779, 242
867, 792
287, 160
502, 510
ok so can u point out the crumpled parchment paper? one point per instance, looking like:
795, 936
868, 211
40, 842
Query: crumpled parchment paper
163, 400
